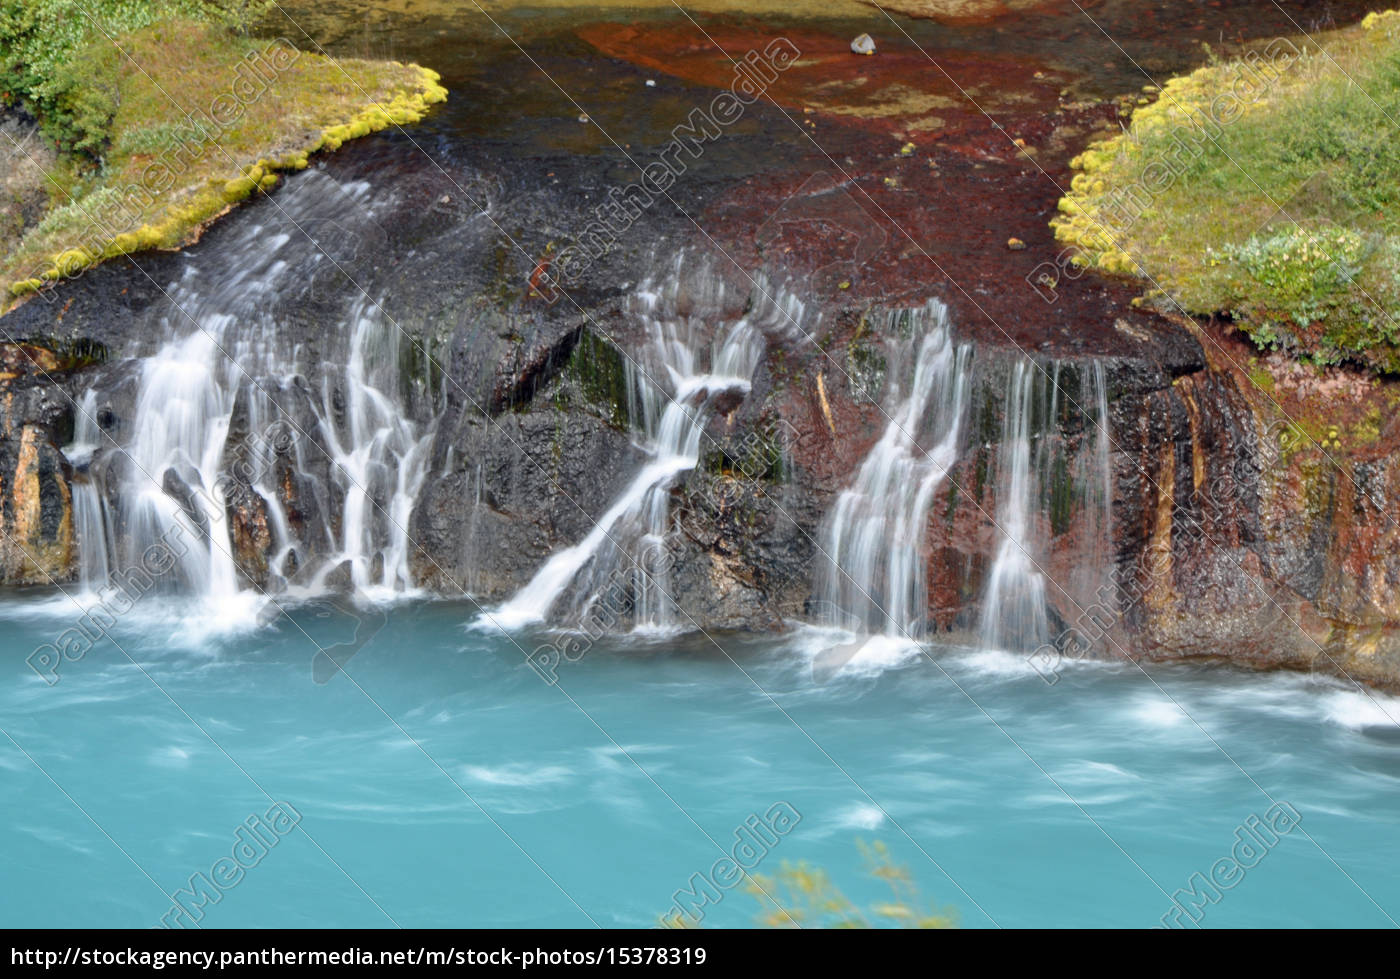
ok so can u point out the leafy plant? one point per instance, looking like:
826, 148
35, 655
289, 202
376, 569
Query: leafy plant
1301, 269
45, 67
801, 895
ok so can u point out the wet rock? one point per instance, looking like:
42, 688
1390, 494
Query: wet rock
37, 543
340, 577
179, 491
533, 426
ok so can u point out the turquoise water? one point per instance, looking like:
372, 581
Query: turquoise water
447, 785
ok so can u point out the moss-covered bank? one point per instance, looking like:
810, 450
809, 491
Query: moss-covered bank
1265, 188
179, 120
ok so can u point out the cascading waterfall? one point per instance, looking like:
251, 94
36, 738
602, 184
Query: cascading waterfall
378, 454
872, 577
227, 350
1091, 583
693, 358
1096, 473
89, 517
1014, 616
1035, 470
870, 592
169, 495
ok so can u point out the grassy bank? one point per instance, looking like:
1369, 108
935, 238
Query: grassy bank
1265, 188
164, 116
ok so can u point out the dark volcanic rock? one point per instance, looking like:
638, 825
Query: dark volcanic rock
1231, 533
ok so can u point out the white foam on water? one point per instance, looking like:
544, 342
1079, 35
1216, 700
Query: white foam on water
170, 757
994, 663
861, 816
1355, 709
835, 653
1157, 711
518, 775
1087, 772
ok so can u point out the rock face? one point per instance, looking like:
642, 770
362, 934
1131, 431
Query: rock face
1263, 534
1176, 497
37, 544
1224, 535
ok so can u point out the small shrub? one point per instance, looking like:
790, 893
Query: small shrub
1301, 270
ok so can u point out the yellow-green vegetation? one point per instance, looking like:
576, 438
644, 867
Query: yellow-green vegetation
1267, 188
177, 119
801, 896
1367, 431
1260, 376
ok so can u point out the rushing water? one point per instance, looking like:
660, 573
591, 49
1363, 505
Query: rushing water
89, 516
225, 348
1013, 612
439, 782
872, 578
410, 777
693, 357
378, 454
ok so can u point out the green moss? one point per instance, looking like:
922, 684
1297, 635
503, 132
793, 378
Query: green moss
865, 367
1267, 188
601, 372
1368, 430
158, 182
1260, 376
1063, 496
755, 456
421, 372
981, 470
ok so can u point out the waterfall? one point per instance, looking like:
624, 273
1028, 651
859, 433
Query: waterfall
1097, 475
1014, 615
872, 579
1091, 582
378, 454
89, 518
692, 358
181, 420
1053, 468
230, 361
